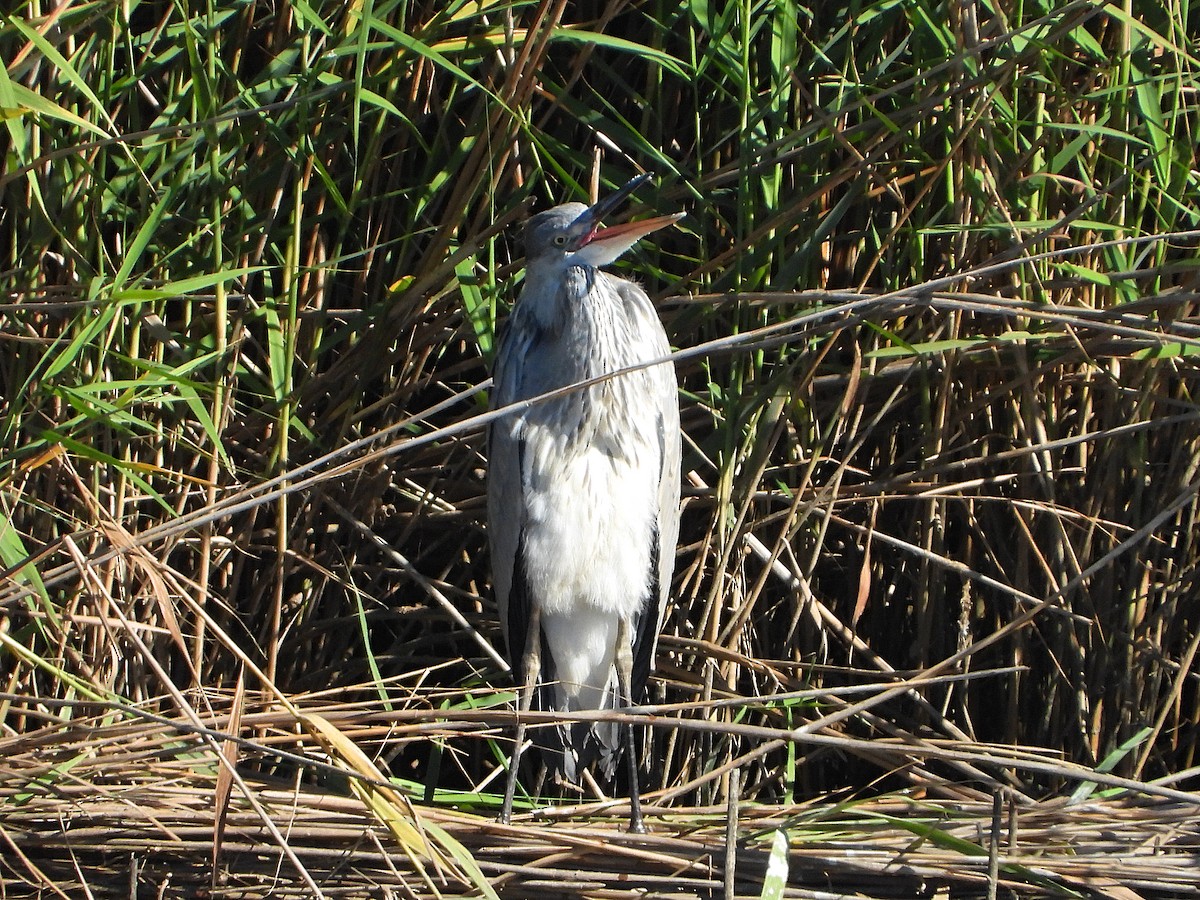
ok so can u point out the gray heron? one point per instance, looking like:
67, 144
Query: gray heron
583, 489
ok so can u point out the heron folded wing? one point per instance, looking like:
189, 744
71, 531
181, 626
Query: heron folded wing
645, 627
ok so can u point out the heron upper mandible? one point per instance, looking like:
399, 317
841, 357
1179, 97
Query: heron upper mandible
583, 489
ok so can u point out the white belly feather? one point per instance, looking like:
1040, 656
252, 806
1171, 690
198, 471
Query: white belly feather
589, 532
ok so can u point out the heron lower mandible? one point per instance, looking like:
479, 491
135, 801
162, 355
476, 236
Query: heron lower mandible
583, 489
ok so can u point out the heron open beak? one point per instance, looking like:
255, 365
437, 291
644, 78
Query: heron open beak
630, 232
605, 205
599, 246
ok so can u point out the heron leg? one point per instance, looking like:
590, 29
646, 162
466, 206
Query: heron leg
624, 664
531, 665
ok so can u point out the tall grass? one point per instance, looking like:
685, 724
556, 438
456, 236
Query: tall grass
940, 269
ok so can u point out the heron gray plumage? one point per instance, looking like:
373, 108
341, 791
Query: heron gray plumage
583, 489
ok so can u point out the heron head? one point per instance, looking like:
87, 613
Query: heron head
573, 231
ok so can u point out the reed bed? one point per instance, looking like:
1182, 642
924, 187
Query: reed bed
937, 311
106, 809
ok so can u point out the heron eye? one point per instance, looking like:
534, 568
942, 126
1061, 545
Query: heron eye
560, 239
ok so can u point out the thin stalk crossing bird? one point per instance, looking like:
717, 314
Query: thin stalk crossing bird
583, 489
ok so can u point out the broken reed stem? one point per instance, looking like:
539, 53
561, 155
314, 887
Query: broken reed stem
731, 829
